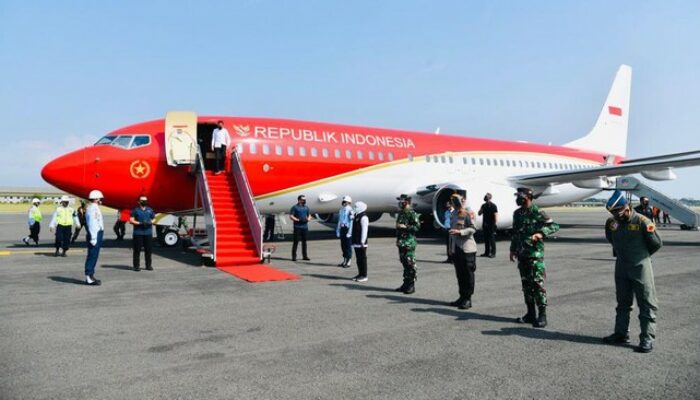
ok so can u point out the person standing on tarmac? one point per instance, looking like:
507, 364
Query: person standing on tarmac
447, 223
62, 222
463, 249
634, 239
95, 233
120, 225
269, 233
300, 214
344, 230
34, 220
407, 225
644, 209
80, 215
142, 217
489, 210
360, 231
530, 226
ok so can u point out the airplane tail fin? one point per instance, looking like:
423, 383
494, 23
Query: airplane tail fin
609, 135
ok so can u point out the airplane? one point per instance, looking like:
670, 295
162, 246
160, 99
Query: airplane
284, 158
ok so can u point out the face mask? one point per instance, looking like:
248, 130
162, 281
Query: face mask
620, 215
143, 202
456, 203
486, 198
519, 200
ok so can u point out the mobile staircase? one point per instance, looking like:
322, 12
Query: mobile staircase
689, 219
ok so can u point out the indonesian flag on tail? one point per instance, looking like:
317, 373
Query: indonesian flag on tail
615, 110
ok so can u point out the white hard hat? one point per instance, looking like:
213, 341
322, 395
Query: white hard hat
95, 194
64, 198
347, 199
35, 200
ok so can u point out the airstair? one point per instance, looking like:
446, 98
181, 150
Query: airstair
689, 219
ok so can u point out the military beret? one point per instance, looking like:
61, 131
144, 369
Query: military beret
524, 192
617, 200
404, 197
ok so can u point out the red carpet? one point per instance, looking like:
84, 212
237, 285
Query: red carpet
259, 273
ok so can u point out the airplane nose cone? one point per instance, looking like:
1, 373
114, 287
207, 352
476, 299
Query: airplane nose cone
67, 172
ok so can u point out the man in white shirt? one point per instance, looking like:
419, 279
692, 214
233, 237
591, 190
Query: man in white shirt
219, 141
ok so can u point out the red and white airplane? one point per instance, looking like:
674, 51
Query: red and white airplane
284, 158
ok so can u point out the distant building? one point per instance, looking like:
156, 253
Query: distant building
16, 195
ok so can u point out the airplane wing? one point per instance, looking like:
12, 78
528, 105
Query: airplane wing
646, 166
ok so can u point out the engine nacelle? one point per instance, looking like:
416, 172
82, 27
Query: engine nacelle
330, 218
660, 175
442, 196
594, 183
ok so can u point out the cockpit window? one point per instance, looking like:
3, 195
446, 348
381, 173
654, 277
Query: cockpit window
122, 141
105, 140
141, 140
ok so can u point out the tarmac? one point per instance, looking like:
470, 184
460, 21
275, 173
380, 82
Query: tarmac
185, 331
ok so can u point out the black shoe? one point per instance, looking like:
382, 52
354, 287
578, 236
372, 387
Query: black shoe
465, 305
63, 254
456, 303
294, 258
448, 261
306, 259
410, 289
528, 318
401, 288
492, 256
541, 321
149, 268
137, 269
56, 253
342, 264
484, 255
645, 346
93, 281
617, 338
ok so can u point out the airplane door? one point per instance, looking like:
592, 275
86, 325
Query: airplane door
180, 137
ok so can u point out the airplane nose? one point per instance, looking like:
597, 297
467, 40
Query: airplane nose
67, 172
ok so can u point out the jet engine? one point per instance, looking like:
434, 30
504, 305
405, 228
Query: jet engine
441, 197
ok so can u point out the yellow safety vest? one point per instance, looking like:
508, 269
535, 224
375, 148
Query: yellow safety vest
64, 216
36, 214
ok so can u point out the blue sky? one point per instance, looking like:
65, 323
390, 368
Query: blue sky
521, 70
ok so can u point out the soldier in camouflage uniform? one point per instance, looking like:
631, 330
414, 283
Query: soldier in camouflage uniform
530, 226
634, 239
407, 224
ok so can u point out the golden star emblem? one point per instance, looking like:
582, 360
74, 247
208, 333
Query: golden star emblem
139, 169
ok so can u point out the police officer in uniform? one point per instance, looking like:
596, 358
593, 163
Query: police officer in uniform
34, 219
343, 230
463, 251
530, 226
634, 239
62, 223
644, 209
407, 224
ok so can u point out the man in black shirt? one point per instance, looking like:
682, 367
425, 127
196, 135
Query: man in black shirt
489, 210
644, 208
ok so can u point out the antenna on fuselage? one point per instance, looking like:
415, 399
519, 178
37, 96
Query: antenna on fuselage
437, 131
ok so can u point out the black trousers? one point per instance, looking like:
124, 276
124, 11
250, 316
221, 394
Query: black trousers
465, 265
489, 239
361, 259
220, 157
299, 234
76, 232
144, 241
63, 235
345, 243
120, 229
447, 243
269, 233
34, 232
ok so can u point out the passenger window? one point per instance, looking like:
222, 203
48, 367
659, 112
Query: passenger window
360, 155
481, 161
302, 151
488, 161
140, 141
348, 154
252, 148
427, 158
314, 152
122, 141
239, 148
278, 150
464, 160
390, 156
473, 161
105, 140
381, 156
336, 153
410, 157
290, 150
442, 159
324, 151
266, 148
371, 155
501, 162
451, 159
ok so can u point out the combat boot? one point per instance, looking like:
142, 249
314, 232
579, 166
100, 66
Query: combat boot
410, 288
403, 286
541, 321
528, 318
617, 338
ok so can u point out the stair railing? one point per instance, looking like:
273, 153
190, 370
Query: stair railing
205, 196
246, 194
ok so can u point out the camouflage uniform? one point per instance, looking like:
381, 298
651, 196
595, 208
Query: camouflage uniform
406, 242
634, 241
527, 222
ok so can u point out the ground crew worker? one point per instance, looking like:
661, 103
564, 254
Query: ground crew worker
142, 217
634, 239
62, 222
34, 220
300, 214
407, 224
360, 232
80, 215
489, 210
343, 230
644, 209
95, 233
463, 251
530, 226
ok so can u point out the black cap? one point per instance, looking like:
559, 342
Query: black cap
524, 192
404, 197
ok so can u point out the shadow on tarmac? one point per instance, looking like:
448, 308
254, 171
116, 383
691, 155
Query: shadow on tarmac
533, 333
117, 266
63, 279
465, 315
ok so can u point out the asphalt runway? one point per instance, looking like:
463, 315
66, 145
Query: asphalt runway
191, 332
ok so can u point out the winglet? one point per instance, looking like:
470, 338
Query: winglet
609, 135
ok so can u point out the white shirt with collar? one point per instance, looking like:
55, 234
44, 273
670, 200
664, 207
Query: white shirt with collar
220, 138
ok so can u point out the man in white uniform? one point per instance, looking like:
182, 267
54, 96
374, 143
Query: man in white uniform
219, 141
